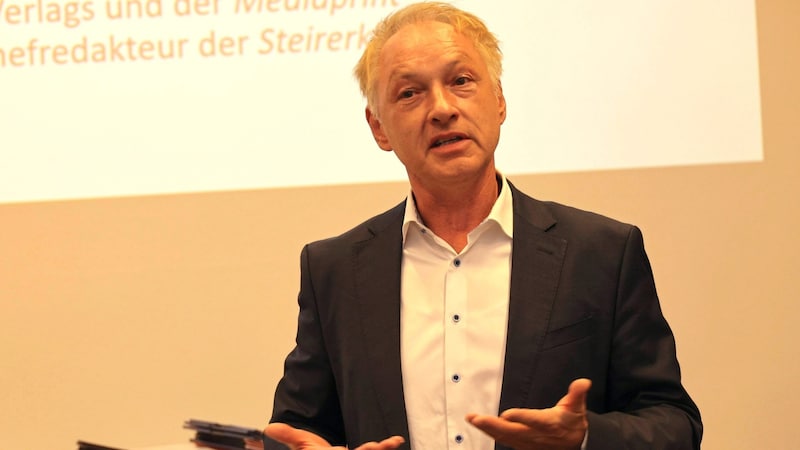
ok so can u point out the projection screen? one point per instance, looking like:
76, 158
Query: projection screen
138, 97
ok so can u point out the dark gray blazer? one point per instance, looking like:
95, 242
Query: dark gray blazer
583, 304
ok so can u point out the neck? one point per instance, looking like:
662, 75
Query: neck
452, 212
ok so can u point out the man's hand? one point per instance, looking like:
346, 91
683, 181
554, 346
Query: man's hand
562, 427
297, 439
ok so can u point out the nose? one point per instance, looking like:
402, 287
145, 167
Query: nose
443, 107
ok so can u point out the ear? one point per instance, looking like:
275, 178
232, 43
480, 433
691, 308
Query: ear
501, 102
377, 131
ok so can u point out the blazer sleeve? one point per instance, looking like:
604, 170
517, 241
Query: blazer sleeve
646, 405
306, 396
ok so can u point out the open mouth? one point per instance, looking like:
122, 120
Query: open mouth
446, 141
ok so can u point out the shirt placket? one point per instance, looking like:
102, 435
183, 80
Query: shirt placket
455, 343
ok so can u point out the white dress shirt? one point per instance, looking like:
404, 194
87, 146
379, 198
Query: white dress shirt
454, 316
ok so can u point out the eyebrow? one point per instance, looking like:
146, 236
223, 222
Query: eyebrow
407, 72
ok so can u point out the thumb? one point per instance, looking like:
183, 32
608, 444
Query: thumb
575, 400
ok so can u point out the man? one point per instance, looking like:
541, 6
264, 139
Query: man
471, 299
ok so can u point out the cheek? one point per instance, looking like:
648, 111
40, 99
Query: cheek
399, 128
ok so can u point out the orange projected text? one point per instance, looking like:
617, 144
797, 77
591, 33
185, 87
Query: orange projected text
329, 6
41, 33
69, 14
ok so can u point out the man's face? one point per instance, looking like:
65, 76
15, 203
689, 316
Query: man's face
436, 106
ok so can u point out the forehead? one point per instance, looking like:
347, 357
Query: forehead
421, 44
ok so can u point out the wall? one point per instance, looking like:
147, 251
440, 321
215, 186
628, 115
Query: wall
121, 318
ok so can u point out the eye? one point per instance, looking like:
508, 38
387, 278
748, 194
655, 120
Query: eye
405, 94
462, 80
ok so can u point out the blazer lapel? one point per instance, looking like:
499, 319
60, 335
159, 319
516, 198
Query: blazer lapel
377, 276
536, 263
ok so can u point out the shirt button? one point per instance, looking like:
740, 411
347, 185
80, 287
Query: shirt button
459, 439
456, 378
457, 262
456, 318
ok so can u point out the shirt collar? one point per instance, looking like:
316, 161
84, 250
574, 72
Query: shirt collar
502, 212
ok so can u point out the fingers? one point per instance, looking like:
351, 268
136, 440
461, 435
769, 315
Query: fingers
386, 444
574, 403
496, 427
297, 439
278, 431
562, 426
294, 438
393, 442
